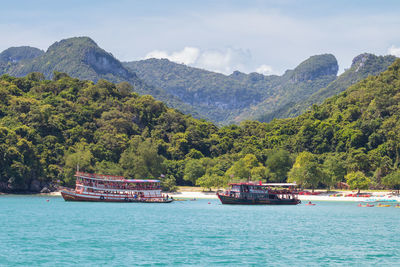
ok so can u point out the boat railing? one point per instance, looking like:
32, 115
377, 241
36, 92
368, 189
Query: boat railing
98, 176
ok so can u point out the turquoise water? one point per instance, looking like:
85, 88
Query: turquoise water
34, 232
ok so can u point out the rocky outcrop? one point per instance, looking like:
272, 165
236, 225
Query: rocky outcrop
45, 190
35, 186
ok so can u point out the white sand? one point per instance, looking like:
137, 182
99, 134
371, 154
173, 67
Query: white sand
322, 197
326, 197
192, 195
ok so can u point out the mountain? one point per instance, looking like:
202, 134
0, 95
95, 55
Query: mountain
79, 57
362, 66
296, 85
220, 98
362, 122
217, 96
16, 54
223, 98
82, 58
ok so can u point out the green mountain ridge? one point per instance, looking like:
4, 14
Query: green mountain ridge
223, 99
296, 85
362, 66
82, 58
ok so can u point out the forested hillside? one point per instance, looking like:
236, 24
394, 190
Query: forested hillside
47, 128
362, 66
227, 99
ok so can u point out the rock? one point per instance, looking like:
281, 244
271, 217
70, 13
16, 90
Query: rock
35, 186
4, 187
45, 190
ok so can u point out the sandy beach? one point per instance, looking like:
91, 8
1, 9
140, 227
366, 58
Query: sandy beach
322, 197
196, 193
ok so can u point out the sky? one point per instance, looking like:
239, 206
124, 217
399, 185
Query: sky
268, 36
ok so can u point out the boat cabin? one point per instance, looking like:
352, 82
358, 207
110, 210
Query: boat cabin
116, 185
252, 190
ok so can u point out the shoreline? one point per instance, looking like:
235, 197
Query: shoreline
212, 195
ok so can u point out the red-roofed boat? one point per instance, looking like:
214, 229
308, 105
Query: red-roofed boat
252, 193
108, 188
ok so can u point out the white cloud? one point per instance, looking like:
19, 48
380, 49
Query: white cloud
224, 61
395, 51
186, 56
264, 69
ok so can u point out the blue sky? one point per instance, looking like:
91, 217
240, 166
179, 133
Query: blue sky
264, 36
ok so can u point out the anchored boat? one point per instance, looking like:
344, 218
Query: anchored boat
108, 188
251, 193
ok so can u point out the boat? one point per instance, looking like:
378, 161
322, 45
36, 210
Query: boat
382, 205
387, 200
252, 193
108, 188
366, 205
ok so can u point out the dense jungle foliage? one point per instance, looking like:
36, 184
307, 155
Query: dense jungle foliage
48, 127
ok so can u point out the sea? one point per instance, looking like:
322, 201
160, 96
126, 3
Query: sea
47, 231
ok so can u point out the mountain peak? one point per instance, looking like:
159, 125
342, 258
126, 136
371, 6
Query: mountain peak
15, 54
359, 61
73, 42
316, 67
79, 57
365, 60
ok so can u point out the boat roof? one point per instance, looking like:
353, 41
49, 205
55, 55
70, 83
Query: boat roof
265, 184
94, 176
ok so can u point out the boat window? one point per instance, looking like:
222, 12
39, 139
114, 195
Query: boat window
235, 188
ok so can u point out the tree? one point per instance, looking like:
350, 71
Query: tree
335, 170
210, 181
168, 183
241, 170
206, 181
141, 160
193, 171
124, 88
357, 180
259, 173
307, 171
107, 167
80, 157
279, 163
194, 154
392, 180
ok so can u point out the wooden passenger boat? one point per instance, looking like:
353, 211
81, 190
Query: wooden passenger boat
252, 193
108, 188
